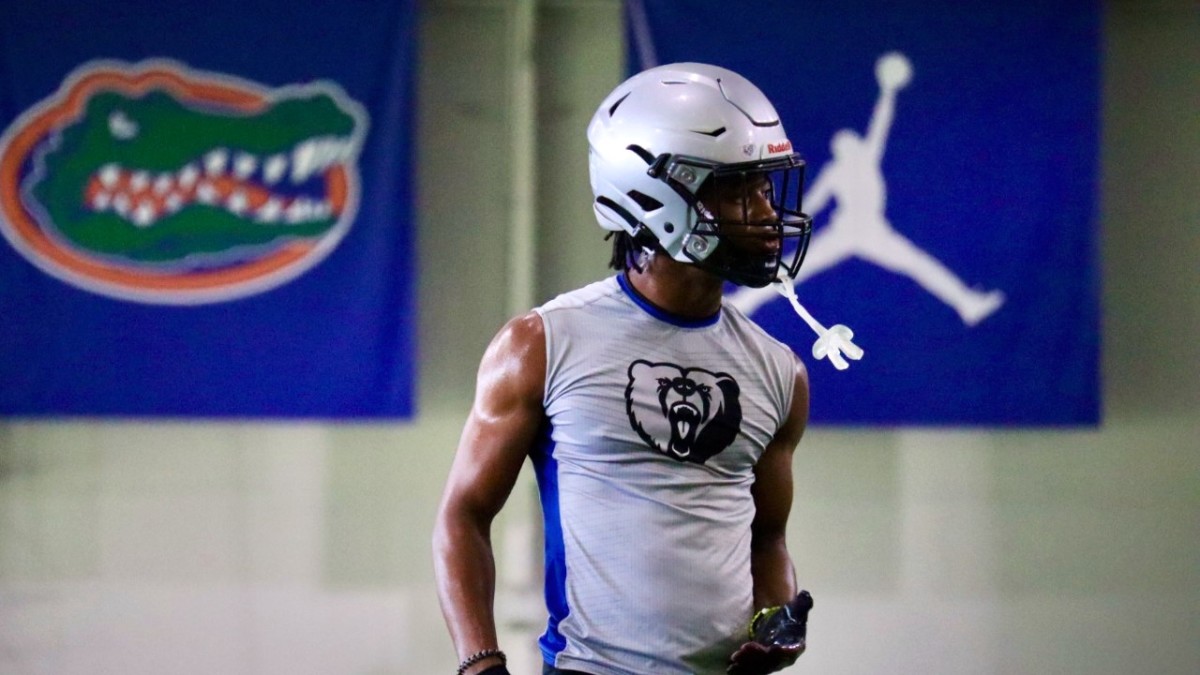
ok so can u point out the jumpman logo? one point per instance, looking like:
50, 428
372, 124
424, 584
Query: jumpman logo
858, 225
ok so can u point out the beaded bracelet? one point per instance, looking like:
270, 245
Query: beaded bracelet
479, 656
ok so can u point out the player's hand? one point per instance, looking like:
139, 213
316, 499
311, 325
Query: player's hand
777, 638
753, 658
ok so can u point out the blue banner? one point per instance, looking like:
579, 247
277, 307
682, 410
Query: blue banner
952, 154
207, 209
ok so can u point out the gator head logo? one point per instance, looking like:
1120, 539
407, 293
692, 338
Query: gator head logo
688, 414
160, 184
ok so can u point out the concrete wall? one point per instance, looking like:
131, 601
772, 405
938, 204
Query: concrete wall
243, 548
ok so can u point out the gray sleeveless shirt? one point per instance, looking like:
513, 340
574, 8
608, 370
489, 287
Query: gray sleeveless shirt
654, 424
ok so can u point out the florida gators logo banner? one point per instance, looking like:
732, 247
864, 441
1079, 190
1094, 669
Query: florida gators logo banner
185, 233
952, 153
101, 188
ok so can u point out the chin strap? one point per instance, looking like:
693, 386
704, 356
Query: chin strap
834, 343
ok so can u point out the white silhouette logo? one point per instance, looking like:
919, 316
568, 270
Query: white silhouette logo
858, 225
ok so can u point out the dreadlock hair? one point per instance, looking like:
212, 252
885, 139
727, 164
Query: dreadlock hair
627, 248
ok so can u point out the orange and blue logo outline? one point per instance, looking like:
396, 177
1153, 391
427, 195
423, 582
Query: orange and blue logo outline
33, 133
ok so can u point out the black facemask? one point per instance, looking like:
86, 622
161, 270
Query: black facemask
752, 249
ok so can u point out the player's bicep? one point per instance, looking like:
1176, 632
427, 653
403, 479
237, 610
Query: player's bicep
773, 487
505, 418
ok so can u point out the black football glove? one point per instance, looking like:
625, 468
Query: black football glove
777, 638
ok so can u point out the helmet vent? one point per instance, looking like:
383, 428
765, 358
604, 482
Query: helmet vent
757, 123
715, 133
618, 209
613, 109
645, 201
641, 152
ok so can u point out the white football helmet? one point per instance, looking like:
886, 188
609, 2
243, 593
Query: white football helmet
661, 134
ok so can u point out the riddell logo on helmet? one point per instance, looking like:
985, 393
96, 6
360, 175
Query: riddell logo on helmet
785, 146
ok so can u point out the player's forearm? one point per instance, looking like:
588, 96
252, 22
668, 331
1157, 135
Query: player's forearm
466, 578
774, 575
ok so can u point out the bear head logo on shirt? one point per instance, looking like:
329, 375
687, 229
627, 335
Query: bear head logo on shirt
688, 414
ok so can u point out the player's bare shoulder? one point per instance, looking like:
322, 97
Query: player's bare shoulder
797, 417
515, 361
525, 334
